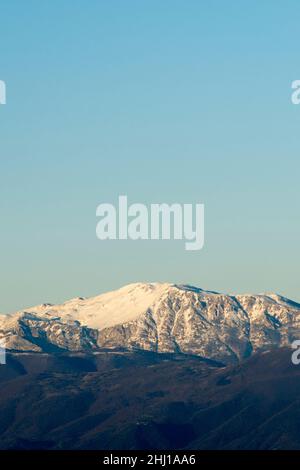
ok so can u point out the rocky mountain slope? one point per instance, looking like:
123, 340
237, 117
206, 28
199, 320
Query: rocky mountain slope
160, 318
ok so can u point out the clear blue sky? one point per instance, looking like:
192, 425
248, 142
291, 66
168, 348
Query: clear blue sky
165, 101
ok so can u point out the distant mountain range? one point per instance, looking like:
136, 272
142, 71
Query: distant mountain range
152, 366
157, 317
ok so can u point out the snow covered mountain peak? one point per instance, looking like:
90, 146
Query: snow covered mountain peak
160, 317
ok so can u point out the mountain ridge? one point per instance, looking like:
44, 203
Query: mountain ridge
158, 317
144, 400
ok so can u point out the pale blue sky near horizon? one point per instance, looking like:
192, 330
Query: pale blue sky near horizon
173, 101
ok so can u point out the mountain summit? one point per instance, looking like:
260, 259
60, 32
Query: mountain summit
158, 317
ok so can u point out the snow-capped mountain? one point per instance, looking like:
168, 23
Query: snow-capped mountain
158, 317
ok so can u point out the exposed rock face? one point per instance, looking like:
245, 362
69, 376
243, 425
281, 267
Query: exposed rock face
30, 332
160, 318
